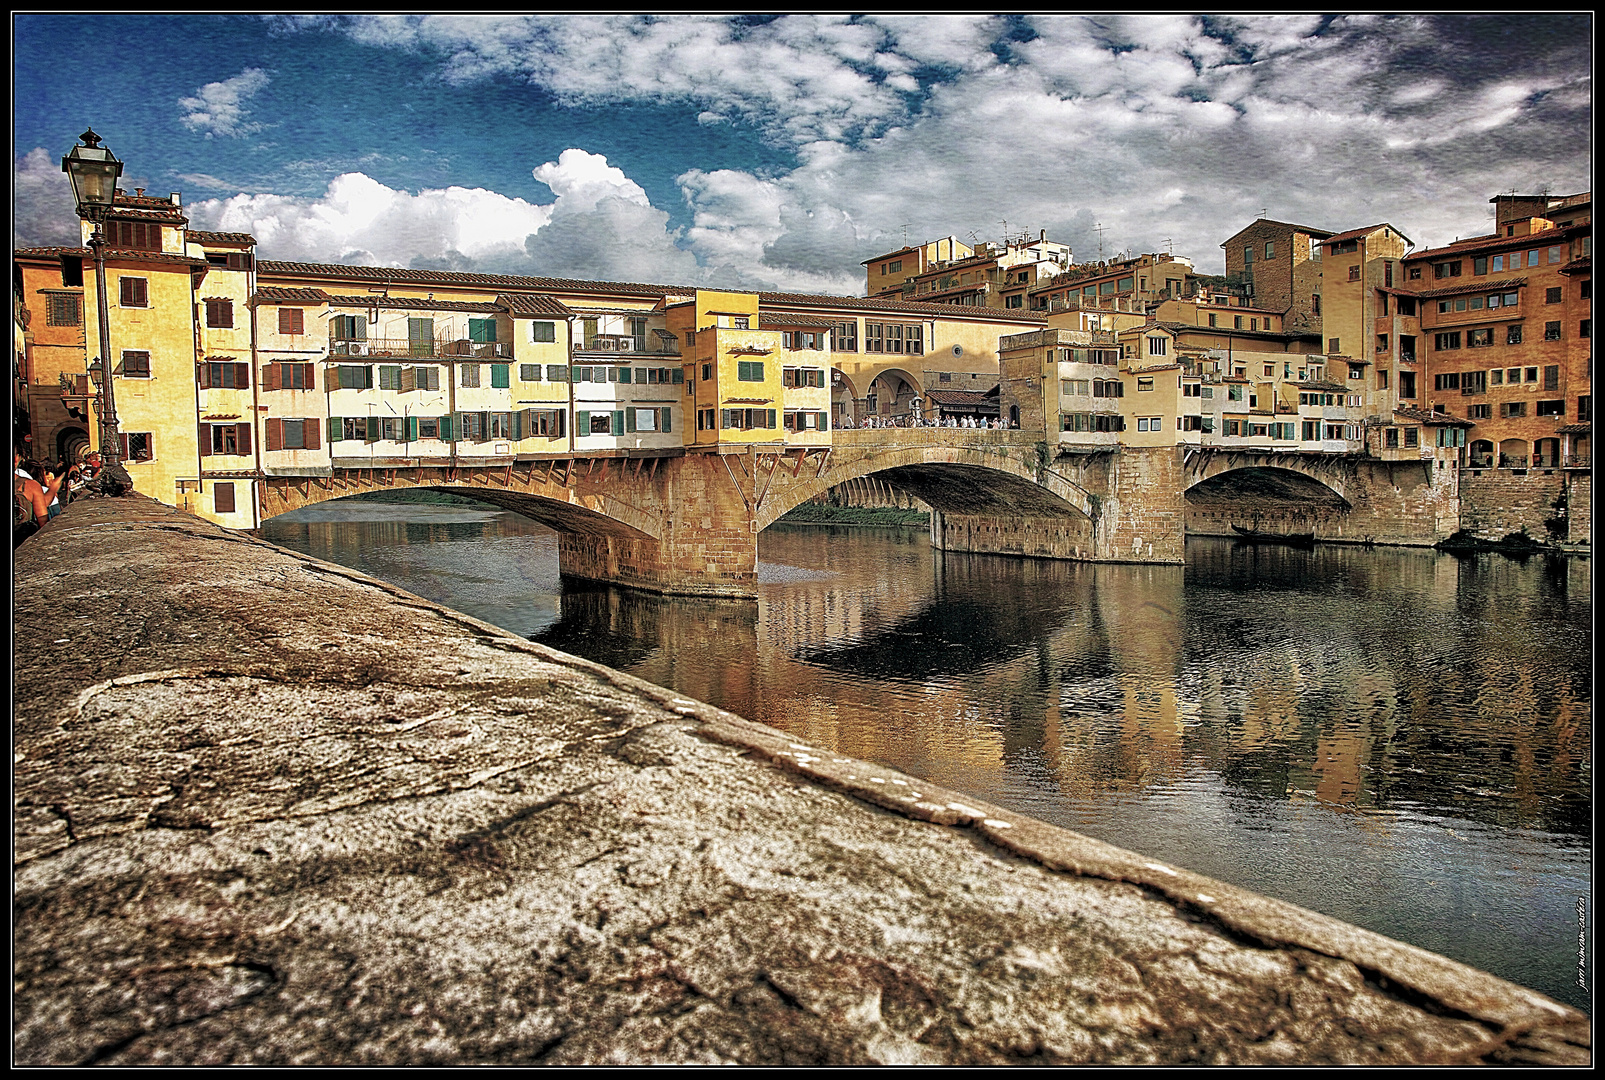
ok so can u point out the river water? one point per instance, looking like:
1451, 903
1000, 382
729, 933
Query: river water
1395, 737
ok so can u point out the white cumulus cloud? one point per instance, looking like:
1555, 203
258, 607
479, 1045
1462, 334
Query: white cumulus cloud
218, 108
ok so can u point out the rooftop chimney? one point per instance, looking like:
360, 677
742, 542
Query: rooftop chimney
177, 201
139, 192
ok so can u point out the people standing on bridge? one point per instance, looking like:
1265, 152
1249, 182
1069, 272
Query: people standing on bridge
31, 508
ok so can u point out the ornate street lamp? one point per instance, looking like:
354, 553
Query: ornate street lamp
94, 172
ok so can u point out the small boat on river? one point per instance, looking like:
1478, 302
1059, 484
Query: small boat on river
1255, 536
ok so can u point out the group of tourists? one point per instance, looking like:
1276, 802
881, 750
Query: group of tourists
39, 491
914, 420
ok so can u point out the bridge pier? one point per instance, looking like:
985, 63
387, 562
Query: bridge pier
1138, 514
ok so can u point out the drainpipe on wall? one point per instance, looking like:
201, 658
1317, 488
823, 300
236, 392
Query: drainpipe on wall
258, 430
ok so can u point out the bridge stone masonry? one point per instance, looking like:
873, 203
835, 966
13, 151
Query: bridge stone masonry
687, 521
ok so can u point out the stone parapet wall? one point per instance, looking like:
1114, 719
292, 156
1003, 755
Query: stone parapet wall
281, 812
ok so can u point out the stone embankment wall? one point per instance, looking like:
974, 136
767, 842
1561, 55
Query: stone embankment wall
1497, 502
267, 809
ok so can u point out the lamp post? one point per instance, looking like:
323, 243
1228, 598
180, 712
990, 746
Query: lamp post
94, 172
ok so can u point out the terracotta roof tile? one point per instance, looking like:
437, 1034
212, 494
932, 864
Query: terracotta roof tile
1355, 234
524, 304
960, 397
407, 303
50, 252
268, 267
129, 255
200, 237
270, 294
1480, 285
1574, 429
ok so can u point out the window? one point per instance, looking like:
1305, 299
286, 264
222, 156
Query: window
227, 439
133, 292
1479, 266
1552, 331
1446, 269
554, 373
529, 373
802, 377
750, 370
746, 419
353, 377
347, 328
1212, 319
1584, 289
64, 309
1480, 412
470, 375
1412, 436
1406, 304
499, 375
1234, 393
220, 313
1552, 296
1415, 273
1270, 249
1585, 408
1477, 339
292, 435
291, 321
1451, 381
1345, 247
422, 378
224, 376
1014, 301
1334, 345
894, 266
1315, 300
1237, 322
1354, 273
1356, 372
1512, 408
543, 332
1550, 408
136, 365
1551, 377
1446, 341
1407, 384
1248, 255
389, 377
1124, 284
874, 337
1150, 423
1473, 382
1584, 328
1496, 377
1144, 384
1191, 390
135, 235
1156, 347
1391, 438
288, 377
844, 336
1555, 253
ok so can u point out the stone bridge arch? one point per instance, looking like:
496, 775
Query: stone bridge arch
583, 497
986, 473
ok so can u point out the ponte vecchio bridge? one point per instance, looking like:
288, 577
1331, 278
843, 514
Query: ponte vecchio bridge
687, 522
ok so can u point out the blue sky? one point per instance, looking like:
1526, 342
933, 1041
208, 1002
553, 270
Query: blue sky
766, 152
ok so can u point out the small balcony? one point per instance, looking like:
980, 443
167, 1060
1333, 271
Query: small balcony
1512, 461
1406, 357
1576, 461
1480, 461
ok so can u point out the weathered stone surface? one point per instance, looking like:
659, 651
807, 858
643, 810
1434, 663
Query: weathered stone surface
269, 810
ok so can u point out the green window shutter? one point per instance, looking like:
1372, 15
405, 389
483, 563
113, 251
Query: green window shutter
679, 375
824, 421
446, 433
618, 421
583, 423
367, 377
335, 432
624, 376
373, 429
482, 331
769, 421
359, 329
412, 429
665, 424
545, 331
498, 376
517, 425
556, 373
629, 418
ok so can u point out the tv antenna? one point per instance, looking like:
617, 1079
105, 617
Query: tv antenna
1263, 211
1100, 230
1170, 248
906, 224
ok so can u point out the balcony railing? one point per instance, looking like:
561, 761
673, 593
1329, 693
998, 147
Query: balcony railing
1478, 461
74, 385
1576, 461
437, 348
1512, 461
1546, 461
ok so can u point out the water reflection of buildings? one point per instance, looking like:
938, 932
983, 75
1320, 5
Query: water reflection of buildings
1353, 678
